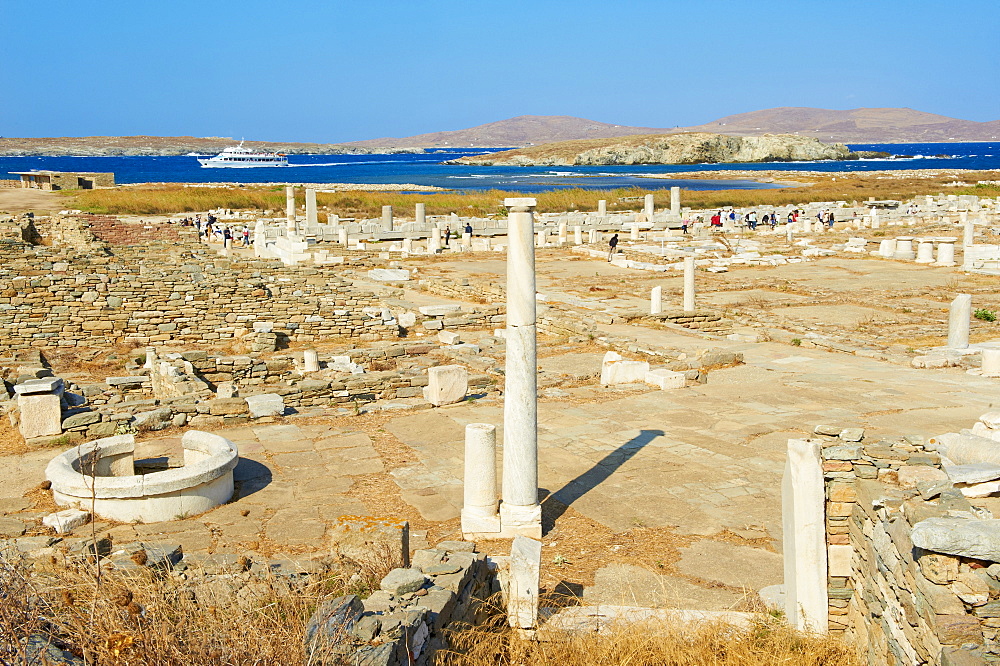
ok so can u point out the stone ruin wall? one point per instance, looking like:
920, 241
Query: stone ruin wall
898, 603
153, 295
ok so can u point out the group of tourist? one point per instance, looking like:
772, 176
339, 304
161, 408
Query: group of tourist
211, 231
749, 220
825, 217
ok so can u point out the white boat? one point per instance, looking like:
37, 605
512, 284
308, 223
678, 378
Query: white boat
238, 157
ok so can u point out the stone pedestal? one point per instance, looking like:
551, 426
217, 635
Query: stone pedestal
577, 235
968, 233
594, 237
675, 201
311, 217
991, 363
420, 213
480, 516
656, 300
562, 233
904, 248
467, 242
688, 284
387, 218
925, 252
648, 207
789, 235
804, 537
342, 236
446, 384
542, 236
40, 415
520, 513
602, 207
310, 360
408, 245
634, 232
958, 322
945, 252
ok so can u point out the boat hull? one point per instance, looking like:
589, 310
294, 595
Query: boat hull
209, 164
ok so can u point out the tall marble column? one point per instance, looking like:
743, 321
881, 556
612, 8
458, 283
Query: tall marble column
602, 207
688, 284
311, 217
648, 207
386, 218
420, 213
958, 321
675, 201
290, 207
520, 513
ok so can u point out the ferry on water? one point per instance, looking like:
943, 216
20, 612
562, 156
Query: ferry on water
240, 157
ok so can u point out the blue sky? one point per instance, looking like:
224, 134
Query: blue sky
342, 71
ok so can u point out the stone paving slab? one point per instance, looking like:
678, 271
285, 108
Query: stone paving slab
627, 584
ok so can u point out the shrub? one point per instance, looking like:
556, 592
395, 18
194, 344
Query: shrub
985, 315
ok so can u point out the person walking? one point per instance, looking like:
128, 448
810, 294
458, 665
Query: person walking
684, 225
612, 244
447, 235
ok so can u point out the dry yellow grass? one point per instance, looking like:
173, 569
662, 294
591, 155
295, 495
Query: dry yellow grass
768, 642
168, 199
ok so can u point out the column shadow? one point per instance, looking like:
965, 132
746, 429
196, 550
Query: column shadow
555, 504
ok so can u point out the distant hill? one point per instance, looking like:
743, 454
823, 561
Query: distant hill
687, 148
519, 131
855, 125
160, 145
852, 126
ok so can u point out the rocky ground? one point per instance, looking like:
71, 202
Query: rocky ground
653, 497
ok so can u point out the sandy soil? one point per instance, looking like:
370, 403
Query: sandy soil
19, 201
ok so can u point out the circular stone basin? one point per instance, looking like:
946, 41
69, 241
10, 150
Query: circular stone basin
102, 474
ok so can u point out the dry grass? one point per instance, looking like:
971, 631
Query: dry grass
168, 199
143, 619
766, 643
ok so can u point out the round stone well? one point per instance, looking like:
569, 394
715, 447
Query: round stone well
101, 474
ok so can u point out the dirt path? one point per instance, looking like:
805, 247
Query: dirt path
19, 201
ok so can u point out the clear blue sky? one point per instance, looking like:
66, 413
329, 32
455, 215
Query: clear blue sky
349, 70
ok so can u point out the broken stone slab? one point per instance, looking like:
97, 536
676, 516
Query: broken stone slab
961, 537
828, 430
126, 381
852, 434
40, 415
67, 520
406, 319
991, 420
80, 420
154, 419
403, 581
973, 472
446, 384
389, 274
330, 623
11, 527
42, 385
439, 310
964, 449
265, 404
615, 370
911, 476
449, 338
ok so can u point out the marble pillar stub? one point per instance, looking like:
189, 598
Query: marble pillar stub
803, 518
958, 321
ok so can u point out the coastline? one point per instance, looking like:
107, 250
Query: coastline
319, 187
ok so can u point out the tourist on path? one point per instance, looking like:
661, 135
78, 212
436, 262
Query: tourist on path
468, 228
613, 243
447, 235
684, 225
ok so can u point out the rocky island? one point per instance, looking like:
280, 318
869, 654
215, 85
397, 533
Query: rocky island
691, 148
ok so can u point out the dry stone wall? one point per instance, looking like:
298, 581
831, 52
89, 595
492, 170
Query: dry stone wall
898, 603
157, 294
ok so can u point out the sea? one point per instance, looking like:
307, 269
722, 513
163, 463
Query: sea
427, 169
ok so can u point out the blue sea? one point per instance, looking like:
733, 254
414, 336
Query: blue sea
426, 169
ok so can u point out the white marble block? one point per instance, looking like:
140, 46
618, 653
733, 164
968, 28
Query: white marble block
665, 379
958, 321
265, 404
66, 520
41, 415
615, 370
449, 338
446, 384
